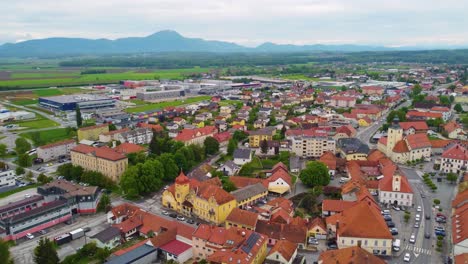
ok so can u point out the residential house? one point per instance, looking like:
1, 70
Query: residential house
195, 136
242, 219
342, 101
354, 254
445, 111
283, 252
257, 136
250, 195
352, 149
395, 189
317, 228
414, 127
310, 143
455, 131
242, 156
417, 115
330, 160
112, 135
229, 168
459, 223
107, 238
373, 90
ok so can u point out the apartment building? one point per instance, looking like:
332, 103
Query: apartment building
7, 178
136, 136
195, 136
454, 159
310, 143
55, 150
257, 136
105, 160
342, 101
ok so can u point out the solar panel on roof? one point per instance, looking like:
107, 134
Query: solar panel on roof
247, 247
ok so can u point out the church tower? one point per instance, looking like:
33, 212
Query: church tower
182, 188
396, 183
395, 134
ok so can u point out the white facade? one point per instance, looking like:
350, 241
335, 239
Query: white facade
137, 136
312, 147
54, 151
7, 178
405, 199
453, 165
374, 246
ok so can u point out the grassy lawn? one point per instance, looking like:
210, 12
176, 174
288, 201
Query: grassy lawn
161, 105
20, 189
25, 101
298, 76
49, 136
39, 122
101, 78
47, 92
48, 74
137, 101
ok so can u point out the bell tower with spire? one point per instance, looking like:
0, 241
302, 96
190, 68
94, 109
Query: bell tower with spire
395, 134
182, 188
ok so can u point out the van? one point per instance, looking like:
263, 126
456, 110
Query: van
344, 179
396, 245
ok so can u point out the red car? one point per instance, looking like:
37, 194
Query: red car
441, 215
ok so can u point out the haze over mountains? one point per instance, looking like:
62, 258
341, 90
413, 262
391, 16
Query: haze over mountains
163, 41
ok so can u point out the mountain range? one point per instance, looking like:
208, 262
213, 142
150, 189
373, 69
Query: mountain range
162, 41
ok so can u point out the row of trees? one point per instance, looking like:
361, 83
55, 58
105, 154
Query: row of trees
78, 174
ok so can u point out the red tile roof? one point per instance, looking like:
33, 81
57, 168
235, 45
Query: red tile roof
375, 155
461, 259
451, 126
342, 98
241, 182
460, 199
386, 184
189, 134
439, 143
440, 109
243, 217
285, 249
400, 147
383, 141
413, 113
222, 137
126, 250
102, 152
317, 222
457, 152
329, 159
460, 224
416, 141
279, 231
417, 125
154, 127
176, 247
336, 205
182, 179
349, 255
60, 143
126, 148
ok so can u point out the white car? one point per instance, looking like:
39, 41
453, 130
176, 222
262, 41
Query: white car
412, 239
419, 209
407, 257
29, 236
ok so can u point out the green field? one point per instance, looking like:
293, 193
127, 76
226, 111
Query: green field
161, 105
25, 101
39, 122
22, 75
49, 136
95, 78
298, 77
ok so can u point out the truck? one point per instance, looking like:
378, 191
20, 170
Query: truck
75, 234
63, 239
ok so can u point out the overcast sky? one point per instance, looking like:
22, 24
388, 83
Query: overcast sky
247, 22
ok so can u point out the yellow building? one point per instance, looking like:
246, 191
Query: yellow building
250, 194
206, 200
364, 122
104, 160
238, 122
92, 132
242, 219
255, 137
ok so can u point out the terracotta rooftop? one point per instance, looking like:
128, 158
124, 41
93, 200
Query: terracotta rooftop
349, 255
460, 224
241, 182
451, 126
457, 152
154, 127
243, 217
461, 259
285, 249
411, 114
280, 231
336, 205
400, 147
127, 148
417, 125
418, 141
102, 152
176, 247
460, 199
329, 159
386, 184
189, 134
439, 143
375, 155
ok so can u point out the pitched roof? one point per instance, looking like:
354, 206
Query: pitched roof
451, 126
102, 152
243, 217
457, 152
154, 127
317, 222
417, 125
336, 205
241, 182
222, 137
400, 147
375, 155
349, 255
439, 143
281, 231
175, 247
386, 184
56, 144
107, 234
460, 199
461, 259
416, 141
189, 134
363, 221
460, 224
285, 249
423, 114
249, 191
329, 159
127, 148
242, 153
118, 131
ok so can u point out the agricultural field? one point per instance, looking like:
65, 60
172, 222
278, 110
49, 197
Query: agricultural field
31, 97
39, 122
18, 79
152, 106
298, 77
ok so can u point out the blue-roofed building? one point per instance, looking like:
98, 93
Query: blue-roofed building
144, 254
69, 102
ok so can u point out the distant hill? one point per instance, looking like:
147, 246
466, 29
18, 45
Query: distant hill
163, 41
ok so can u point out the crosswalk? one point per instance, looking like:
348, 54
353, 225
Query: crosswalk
418, 250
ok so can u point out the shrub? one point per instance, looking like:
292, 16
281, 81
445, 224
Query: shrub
436, 201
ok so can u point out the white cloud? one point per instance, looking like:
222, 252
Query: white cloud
249, 22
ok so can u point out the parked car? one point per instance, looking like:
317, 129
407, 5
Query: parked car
407, 257
427, 235
441, 215
180, 218
416, 224
412, 239
385, 212
164, 212
43, 232
439, 228
332, 246
313, 241
394, 231
190, 221
396, 208
440, 233
419, 209
440, 220
173, 215
29, 236
390, 224
428, 217
387, 218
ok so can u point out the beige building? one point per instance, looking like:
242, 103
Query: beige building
454, 159
92, 132
402, 149
104, 160
55, 150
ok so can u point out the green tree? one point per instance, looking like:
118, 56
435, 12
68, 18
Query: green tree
401, 114
45, 252
211, 145
136, 157
232, 145
22, 146
240, 135
79, 119
171, 170
104, 204
445, 100
24, 160
43, 179
5, 254
181, 162
228, 185
272, 121
452, 177
3, 150
129, 182
264, 146
19, 170
112, 127
458, 108
36, 137
315, 174
417, 89
436, 201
